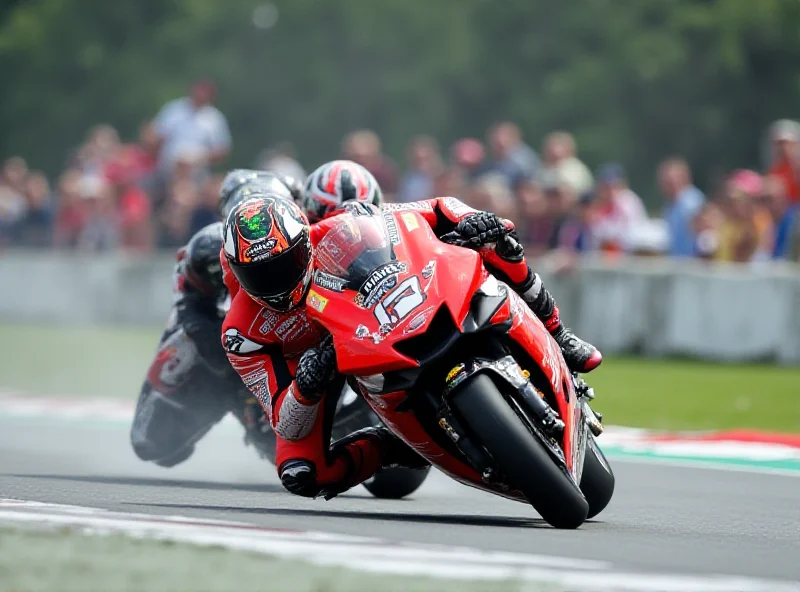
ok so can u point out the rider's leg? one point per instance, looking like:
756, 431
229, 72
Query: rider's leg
309, 465
179, 402
509, 264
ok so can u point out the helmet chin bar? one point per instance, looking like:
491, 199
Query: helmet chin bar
289, 304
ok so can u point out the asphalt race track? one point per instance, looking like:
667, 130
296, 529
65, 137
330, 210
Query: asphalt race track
663, 518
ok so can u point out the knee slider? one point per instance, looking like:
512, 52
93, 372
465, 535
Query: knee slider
300, 478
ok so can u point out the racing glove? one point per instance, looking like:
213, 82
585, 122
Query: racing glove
316, 369
509, 249
482, 228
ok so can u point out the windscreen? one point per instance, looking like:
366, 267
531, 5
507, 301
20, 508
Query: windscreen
354, 247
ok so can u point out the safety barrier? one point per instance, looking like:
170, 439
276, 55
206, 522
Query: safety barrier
648, 306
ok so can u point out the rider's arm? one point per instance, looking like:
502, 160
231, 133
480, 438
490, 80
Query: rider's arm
197, 314
264, 372
442, 213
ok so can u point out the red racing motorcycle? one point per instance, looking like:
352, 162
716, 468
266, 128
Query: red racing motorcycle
457, 365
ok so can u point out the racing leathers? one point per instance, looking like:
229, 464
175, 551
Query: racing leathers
190, 384
289, 363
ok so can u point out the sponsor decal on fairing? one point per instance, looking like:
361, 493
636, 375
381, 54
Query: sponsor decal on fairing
329, 282
400, 302
380, 281
410, 220
391, 228
429, 269
418, 320
316, 301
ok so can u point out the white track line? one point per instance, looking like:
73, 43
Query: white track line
377, 555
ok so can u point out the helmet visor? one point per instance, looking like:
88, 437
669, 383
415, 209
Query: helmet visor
276, 276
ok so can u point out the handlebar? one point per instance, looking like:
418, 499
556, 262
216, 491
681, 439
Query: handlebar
453, 238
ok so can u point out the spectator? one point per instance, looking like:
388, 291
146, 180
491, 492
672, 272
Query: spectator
450, 182
175, 218
35, 227
192, 124
784, 215
134, 209
134, 163
101, 147
707, 227
617, 211
785, 135
70, 215
684, 202
100, 230
512, 156
746, 233
12, 196
207, 210
468, 155
535, 217
575, 229
281, 160
425, 165
561, 165
562, 206
364, 147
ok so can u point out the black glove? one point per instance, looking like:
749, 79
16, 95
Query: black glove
509, 249
481, 228
316, 369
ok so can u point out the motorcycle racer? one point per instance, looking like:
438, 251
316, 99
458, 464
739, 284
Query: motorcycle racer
190, 384
336, 182
290, 364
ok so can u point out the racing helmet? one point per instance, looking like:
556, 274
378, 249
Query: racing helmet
239, 183
201, 265
336, 182
266, 242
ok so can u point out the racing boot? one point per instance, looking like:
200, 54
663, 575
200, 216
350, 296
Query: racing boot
394, 453
580, 356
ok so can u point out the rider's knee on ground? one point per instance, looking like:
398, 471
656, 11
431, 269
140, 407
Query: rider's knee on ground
299, 477
161, 433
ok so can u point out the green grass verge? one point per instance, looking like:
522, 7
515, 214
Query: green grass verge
64, 560
661, 394
689, 395
90, 361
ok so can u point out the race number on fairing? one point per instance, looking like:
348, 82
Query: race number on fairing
400, 302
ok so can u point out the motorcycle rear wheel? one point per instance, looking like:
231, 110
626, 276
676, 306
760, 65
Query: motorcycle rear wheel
518, 454
396, 483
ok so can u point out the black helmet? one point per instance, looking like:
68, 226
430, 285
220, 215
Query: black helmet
201, 265
240, 183
295, 187
267, 244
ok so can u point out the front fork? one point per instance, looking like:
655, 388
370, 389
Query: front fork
593, 419
546, 421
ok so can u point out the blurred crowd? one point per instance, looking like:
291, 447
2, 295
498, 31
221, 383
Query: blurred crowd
156, 191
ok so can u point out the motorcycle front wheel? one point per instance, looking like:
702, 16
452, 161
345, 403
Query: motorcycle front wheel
518, 454
597, 480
